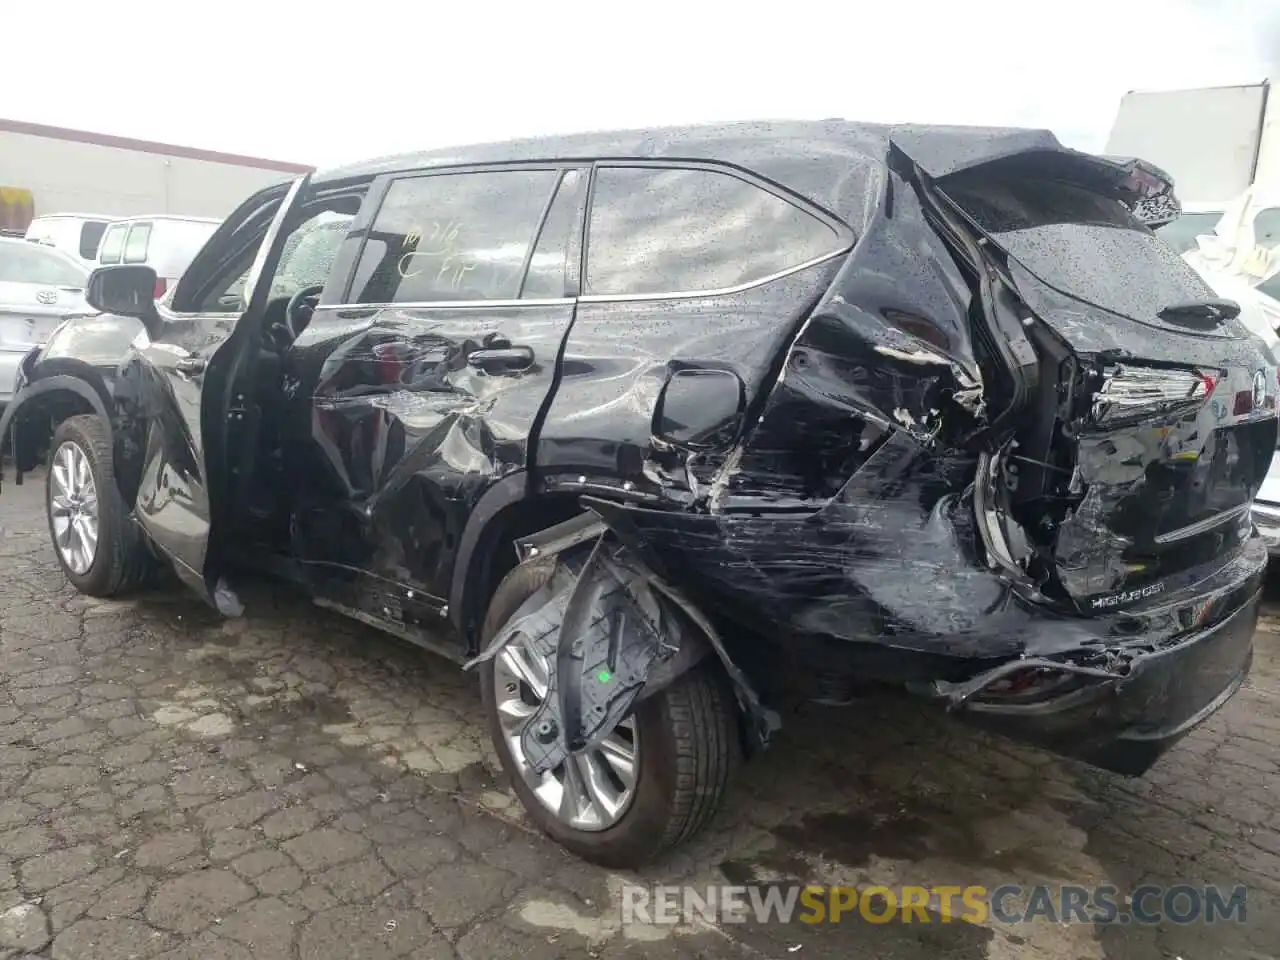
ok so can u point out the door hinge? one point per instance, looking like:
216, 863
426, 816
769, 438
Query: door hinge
237, 409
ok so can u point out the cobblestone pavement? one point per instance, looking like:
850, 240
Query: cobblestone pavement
291, 784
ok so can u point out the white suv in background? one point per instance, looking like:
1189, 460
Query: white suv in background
75, 234
164, 242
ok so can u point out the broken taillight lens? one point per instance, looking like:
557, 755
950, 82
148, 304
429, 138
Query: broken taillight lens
1130, 391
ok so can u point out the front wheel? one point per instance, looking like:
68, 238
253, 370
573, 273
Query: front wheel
98, 548
652, 783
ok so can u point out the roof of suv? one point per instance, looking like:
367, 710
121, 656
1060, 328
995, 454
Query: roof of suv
815, 158
164, 216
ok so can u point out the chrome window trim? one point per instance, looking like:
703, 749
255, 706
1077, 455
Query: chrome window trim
448, 304
719, 292
600, 297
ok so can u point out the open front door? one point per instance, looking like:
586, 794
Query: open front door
182, 383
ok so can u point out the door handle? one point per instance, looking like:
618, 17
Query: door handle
501, 360
190, 365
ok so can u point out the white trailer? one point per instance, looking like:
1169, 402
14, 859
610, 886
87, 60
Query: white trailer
68, 170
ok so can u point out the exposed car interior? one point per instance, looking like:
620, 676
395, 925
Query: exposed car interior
318, 229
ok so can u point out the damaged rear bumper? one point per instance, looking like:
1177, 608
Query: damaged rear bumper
885, 593
1126, 722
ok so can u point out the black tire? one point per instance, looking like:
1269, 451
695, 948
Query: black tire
689, 749
122, 561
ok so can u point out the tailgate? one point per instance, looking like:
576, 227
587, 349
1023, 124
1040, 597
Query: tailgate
1157, 424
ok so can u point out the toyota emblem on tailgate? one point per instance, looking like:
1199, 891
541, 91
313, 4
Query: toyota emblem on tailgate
1259, 389
46, 296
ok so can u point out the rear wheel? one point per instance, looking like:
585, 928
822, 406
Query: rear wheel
654, 782
99, 550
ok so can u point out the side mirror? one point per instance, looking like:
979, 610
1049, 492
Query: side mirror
127, 290
699, 409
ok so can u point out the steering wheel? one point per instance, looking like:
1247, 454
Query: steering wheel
295, 320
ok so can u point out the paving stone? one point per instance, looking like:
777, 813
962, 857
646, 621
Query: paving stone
325, 847
57, 867
457, 893
24, 927
166, 849
191, 902
357, 881
290, 823
371, 934
267, 927
109, 940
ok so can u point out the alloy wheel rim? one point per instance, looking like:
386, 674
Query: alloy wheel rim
73, 508
590, 791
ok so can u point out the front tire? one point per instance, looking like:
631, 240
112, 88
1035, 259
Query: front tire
99, 549
683, 745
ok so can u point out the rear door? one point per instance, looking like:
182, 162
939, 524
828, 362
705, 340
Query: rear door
427, 377
179, 384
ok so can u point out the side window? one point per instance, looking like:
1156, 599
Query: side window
452, 236
659, 230
113, 243
135, 245
544, 279
309, 252
90, 236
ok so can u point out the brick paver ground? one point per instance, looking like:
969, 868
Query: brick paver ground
294, 785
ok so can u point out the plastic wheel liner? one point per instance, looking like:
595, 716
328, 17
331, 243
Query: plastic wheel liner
613, 633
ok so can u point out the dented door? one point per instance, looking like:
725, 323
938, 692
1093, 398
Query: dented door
426, 386
174, 389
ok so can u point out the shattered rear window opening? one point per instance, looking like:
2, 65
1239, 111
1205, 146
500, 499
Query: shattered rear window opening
1083, 244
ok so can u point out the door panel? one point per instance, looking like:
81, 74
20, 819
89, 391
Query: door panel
414, 399
167, 378
178, 384
416, 412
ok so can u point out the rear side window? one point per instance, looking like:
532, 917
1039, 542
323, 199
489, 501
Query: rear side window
454, 236
658, 230
135, 245
90, 236
113, 243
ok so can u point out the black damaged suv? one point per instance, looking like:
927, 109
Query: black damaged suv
656, 427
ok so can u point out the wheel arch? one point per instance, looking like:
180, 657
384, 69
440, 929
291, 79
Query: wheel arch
33, 415
507, 511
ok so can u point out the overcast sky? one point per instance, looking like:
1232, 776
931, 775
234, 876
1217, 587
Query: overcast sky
328, 82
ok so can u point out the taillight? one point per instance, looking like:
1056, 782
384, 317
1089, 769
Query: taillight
161, 286
1129, 391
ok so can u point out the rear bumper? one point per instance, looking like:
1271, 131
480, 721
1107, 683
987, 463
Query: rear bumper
1125, 725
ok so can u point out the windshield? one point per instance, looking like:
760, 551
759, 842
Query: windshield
27, 263
1083, 244
1181, 233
